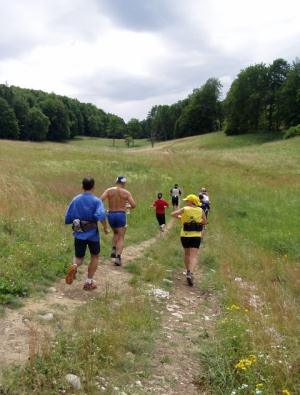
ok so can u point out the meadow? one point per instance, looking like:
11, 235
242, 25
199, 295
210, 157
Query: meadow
250, 261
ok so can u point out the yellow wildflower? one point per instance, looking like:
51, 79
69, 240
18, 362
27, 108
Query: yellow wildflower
245, 363
233, 307
286, 392
259, 385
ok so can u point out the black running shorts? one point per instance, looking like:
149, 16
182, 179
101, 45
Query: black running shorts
190, 242
80, 247
175, 200
161, 219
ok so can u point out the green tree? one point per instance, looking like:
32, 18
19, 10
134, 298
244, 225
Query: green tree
246, 101
21, 109
38, 125
290, 97
116, 128
9, 128
134, 129
55, 110
277, 75
202, 113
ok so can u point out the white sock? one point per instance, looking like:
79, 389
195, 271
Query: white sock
89, 280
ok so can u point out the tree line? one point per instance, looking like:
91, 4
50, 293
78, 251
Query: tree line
261, 98
28, 114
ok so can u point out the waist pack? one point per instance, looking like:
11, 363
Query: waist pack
192, 226
83, 226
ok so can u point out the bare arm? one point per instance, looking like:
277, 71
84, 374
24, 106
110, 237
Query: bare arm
177, 213
104, 195
131, 201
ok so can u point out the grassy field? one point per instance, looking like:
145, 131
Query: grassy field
251, 258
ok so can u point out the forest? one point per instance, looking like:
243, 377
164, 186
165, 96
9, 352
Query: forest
261, 98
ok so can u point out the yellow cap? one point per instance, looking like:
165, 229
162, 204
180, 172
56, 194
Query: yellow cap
193, 199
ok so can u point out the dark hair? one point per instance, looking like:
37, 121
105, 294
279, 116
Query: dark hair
159, 195
200, 196
88, 183
176, 185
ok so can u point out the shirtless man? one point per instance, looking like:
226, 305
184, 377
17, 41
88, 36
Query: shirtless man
118, 201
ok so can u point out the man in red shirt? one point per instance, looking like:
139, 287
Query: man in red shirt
160, 206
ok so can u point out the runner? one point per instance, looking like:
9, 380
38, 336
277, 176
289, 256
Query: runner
205, 201
84, 211
160, 206
119, 200
175, 193
192, 218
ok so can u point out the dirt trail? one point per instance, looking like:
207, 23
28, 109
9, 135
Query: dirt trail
21, 329
187, 321
185, 318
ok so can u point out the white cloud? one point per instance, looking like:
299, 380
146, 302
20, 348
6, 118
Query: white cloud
127, 56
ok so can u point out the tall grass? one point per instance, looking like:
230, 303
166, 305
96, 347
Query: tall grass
251, 258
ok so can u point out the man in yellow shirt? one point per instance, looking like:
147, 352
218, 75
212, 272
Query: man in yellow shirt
192, 218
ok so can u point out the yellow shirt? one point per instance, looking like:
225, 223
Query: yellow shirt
191, 214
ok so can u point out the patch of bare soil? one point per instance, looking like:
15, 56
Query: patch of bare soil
188, 320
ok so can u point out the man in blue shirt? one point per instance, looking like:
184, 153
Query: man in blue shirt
84, 211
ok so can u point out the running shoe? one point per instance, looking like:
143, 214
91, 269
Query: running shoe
190, 279
89, 286
71, 274
118, 261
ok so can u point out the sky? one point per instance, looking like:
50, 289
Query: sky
126, 56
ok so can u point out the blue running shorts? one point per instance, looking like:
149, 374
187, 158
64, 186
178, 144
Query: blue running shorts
117, 219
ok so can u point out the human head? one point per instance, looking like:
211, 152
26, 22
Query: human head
121, 180
175, 185
88, 183
193, 199
203, 190
159, 195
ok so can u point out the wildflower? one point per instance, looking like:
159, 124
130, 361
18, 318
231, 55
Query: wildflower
233, 307
245, 363
286, 392
259, 385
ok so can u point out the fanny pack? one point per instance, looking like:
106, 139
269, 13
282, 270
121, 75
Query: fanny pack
83, 226
192, 226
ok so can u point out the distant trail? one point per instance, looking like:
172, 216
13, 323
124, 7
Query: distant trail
22, 331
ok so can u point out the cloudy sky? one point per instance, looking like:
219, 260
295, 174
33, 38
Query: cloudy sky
127, 55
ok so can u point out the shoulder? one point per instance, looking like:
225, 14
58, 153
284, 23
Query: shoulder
79, 196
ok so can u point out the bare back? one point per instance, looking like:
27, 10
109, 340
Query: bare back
117, 198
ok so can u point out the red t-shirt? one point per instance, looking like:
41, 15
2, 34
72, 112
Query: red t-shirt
160, 205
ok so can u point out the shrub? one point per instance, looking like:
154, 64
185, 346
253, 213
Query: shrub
293, 131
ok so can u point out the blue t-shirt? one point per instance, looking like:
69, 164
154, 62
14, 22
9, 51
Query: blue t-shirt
86, 207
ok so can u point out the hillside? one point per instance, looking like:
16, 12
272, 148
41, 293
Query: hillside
236, 330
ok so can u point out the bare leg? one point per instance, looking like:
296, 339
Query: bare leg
187, 258
115, 237
77, 261
193, 259
93, 266
120, 240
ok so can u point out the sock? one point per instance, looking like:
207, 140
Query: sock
89, 280
114, 249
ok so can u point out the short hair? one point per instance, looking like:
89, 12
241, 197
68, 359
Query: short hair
88, 183
159, 195
176, 185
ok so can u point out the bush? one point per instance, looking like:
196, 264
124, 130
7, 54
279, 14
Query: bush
293, 131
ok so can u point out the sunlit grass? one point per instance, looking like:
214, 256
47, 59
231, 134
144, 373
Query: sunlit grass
251, 247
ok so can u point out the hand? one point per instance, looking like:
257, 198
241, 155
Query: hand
105, 230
